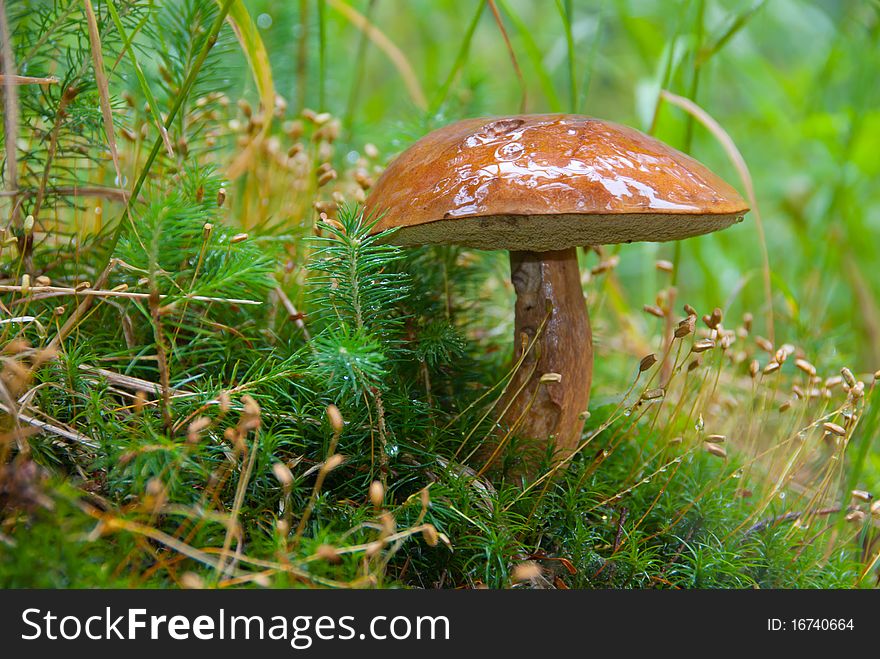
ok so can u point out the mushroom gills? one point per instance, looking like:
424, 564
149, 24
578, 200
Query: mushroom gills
554, 232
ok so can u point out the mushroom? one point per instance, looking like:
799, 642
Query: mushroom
539, 186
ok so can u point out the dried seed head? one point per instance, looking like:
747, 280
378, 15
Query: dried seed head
283, 474
234, 437
155, 487
772, 367
191, 581
862, 495
25, 284
334, 416
429, 533
715, 318
140, 399
665, 266
221, 196
703, 345
389, 525
653, 394
526, 571
805, 366
785, 406
29, 224
551, 377
798, 391
325, 178
363, 179
293, 129
764, 344
717, 451
377, 494
328, 553
250, 406
857, 391
654, 310
326, 207
690, 311
605, 265
59, 310
834, 429
747, 321
238, 238
856, 517
15, 347
43, 280
716, 439
647, 362
295, 150
195, 429
833, 381
848, 376
332, 462
207, 229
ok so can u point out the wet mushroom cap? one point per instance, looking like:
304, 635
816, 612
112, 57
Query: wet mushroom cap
547, 182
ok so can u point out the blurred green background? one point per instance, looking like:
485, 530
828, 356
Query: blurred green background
794, 83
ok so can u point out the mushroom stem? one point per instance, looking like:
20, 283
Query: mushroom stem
549, 294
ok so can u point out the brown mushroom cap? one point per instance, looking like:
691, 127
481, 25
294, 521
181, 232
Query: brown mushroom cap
547, 182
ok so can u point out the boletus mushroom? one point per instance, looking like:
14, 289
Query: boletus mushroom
539, 186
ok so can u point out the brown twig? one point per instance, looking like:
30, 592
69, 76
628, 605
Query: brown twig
742, 169
80, 311
164, 374
10, 110
795, 515
519, 74
26, 80
43, 292
73, 191
294, 315
79, 438
103, 85
70, 93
